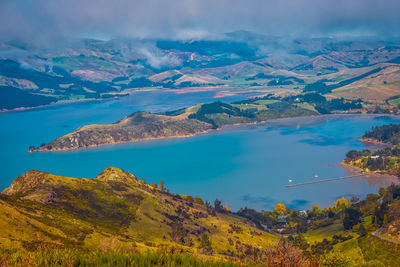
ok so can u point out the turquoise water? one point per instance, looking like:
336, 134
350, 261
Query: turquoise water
245, 166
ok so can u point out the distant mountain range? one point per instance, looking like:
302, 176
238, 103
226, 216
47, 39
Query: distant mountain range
93, 69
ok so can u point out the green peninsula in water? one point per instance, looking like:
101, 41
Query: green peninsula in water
198, 119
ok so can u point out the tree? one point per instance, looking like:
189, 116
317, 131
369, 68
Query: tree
315, 209
205, 244
382, 191
280, 209
198, 200
331, 214
226, 208
285, 254
353, 155
188, 198
351, 218
299, 241
161, 186
210, 209
217, 205
380, 213
342, 203
361, 230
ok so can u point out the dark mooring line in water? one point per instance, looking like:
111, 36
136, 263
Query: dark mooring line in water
326, 180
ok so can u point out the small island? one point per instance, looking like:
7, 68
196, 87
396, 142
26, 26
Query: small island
199, 119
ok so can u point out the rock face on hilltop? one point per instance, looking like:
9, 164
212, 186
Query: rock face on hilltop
115, 211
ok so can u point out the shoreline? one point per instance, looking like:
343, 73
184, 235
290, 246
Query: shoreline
237, 126
121, 142
67, 102
369, 174
374, 142
55, 104
275, 123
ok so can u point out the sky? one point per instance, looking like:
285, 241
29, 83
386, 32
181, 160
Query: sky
50, 20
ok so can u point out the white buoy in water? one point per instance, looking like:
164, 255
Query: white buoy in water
316, 176
290, 180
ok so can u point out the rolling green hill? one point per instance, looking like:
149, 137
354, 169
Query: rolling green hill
117, 212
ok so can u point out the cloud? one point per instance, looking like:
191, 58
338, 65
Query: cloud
157, 58
49, 21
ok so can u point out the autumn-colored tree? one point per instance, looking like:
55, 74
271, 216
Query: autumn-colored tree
161, 186
280, 209
342, 203
226, 207
188, 198
154, 185
285, 254
198, 200
315, 209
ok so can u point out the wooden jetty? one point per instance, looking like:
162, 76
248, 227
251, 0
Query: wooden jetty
326, 180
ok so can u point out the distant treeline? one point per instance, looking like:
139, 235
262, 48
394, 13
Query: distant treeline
12, 98
218, 107
322, 105
386, 133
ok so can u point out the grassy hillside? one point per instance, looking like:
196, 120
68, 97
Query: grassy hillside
117, 212
116, 219
378, 86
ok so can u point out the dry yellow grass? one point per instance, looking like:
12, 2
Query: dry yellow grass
376, 87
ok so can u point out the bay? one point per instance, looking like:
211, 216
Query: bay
242, 166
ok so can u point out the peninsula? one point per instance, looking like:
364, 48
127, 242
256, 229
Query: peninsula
198, 119
386, 160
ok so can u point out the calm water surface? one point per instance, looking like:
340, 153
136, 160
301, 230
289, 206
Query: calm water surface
247, 166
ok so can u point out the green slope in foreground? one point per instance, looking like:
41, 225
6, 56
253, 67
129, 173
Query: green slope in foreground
117, 213
117, 220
